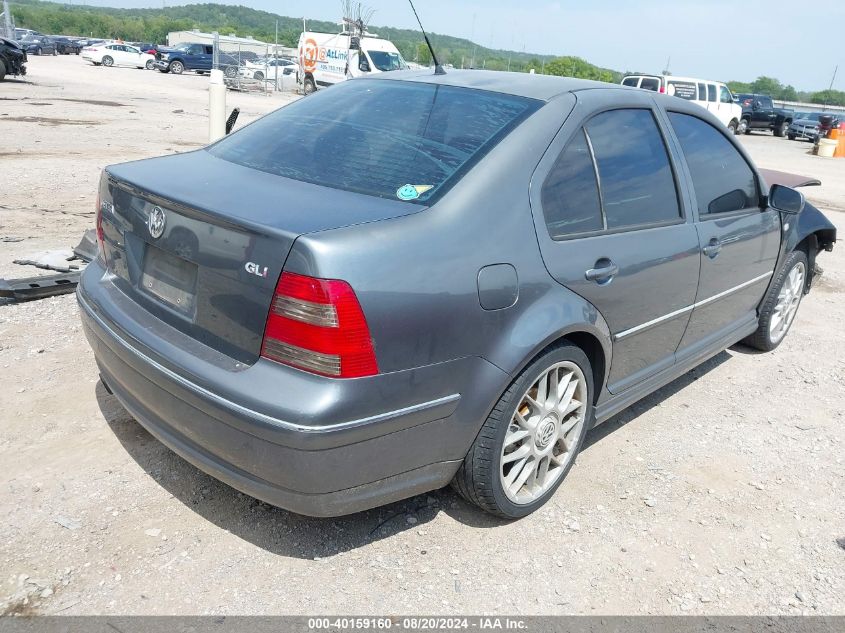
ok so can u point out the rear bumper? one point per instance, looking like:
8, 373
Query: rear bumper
311, 461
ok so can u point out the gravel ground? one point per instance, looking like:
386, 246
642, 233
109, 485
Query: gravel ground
720, 494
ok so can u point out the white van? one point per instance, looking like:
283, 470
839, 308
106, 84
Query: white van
326, 59
712, 95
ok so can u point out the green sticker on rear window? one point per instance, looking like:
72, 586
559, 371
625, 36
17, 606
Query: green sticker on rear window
412, 192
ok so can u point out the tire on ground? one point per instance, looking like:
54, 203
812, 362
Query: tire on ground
478, 479
762, 338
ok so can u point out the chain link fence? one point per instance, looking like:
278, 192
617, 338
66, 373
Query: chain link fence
247, 64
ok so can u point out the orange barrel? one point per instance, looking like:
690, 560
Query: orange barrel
839, 133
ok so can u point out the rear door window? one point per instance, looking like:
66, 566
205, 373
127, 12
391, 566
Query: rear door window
630, 81
711, 93
636, 180
570, 194
392, 139
702, 92
722, 179
650, 83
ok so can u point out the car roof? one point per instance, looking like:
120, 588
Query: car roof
543, 87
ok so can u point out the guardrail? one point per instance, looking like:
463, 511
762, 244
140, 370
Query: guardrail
808, 107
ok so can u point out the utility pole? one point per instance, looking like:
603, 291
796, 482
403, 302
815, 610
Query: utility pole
8, 31
472, 37
830, 87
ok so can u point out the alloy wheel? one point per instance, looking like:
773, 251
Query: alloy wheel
788, 300
543, 433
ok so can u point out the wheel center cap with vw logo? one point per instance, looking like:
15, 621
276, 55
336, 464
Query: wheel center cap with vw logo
155, 222
546, 432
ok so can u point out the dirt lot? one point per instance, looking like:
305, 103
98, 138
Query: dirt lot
721, 494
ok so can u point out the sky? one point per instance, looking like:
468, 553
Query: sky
711, 39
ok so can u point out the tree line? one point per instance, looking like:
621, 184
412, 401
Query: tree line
775, 89
153, 25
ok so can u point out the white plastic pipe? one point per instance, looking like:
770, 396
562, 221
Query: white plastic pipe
216, 106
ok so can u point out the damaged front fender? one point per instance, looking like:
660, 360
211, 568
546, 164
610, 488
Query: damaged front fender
12, 59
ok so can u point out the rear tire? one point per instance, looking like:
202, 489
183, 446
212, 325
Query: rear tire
150, 64
2, 70
38, 51
782, 129
781, 303
177, 67
309, 87
55, 52
500, 483
108, 61
732, 127
258, 75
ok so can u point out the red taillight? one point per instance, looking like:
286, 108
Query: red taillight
662, 90
100, 245
317, 325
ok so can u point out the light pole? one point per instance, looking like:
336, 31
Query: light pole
8, 32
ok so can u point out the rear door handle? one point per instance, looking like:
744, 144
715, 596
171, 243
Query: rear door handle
603, 272
713, 248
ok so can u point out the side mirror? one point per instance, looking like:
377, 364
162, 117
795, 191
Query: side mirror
786, 199
363, 64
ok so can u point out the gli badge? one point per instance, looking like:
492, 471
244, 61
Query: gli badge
255, 269
155, 222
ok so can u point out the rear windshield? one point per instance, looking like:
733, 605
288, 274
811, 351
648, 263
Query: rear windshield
391, 139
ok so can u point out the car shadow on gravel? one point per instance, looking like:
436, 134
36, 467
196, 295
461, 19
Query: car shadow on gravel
655, 399
273, 529
287, 534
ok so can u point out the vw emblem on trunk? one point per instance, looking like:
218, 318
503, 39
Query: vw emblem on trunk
156, 222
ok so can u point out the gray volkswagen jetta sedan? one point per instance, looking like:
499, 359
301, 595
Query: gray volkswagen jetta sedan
412, 280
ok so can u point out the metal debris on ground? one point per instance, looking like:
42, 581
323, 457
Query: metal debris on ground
39, 287
28, 288
86, 250
58, 260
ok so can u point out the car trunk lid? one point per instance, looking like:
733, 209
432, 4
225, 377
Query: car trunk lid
200, 242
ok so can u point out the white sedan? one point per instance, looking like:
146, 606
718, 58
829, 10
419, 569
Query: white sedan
118, 55
266, 69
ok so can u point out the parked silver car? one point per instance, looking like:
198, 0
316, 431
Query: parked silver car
808, 125
418, 279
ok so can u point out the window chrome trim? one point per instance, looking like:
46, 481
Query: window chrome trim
598, 176
697, 304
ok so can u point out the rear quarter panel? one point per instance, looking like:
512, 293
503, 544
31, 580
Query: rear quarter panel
416, 276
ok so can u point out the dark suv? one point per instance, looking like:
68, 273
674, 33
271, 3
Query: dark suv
415, 279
